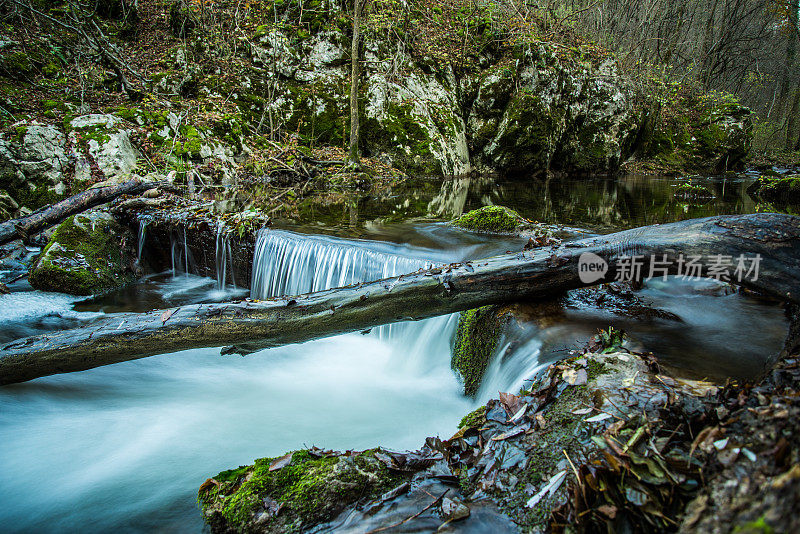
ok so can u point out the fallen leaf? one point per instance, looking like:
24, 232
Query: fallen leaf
207, 485
517, 416
597, 418
552, 486
167, 314
608, 510
280, 463
510, 434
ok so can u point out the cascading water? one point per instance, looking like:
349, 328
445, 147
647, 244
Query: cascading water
141, 436
181, 255
142, 236
224, 257
285, 263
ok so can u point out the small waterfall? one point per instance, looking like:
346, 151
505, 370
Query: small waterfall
224, 257
182, 260
515, 362
285, 263
142, 236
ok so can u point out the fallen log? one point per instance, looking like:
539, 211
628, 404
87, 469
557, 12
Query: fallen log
251, 325
50, 216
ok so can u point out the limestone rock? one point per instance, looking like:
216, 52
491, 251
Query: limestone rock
109, 145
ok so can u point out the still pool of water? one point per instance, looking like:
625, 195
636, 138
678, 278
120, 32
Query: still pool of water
125, 447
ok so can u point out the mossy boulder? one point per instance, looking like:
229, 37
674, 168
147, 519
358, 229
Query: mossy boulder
690, 192
491, 219
87, 254
478, 333
702, 133
294, 492
781, 191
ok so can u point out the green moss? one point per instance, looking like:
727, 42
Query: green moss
40, 195
476, 339
693, 194
401, 135
783, 191
311, 489
760, 526
17, 63
84, 256
474, 419
493, 219
525, 143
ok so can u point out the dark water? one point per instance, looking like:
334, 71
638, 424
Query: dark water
600, 205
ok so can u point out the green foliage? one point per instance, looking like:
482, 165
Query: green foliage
474, 419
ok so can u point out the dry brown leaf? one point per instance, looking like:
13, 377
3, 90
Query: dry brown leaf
280, 463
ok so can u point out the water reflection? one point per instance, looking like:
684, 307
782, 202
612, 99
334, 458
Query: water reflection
599, 204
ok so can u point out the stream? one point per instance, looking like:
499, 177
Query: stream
125, 447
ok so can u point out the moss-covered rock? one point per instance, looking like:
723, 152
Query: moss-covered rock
781, 191
293, 492
87, 254
690, 192
702, 133
491, 219
478, 333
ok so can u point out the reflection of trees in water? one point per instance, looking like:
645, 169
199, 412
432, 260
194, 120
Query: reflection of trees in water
595, 203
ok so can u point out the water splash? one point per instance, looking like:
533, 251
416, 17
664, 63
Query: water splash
515, 362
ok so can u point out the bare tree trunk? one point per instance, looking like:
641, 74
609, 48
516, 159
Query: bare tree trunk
511, 277
792, 87
354, 156
52, 215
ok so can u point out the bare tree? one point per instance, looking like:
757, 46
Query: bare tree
354, 155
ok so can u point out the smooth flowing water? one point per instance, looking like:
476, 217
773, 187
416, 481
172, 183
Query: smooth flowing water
125, 447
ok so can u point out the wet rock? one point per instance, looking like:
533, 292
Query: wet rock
87, 254
693, 193
32, 162
294, 492
478, 333
781, 190
491, 219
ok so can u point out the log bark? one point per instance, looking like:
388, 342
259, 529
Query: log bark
451, 288
50, 216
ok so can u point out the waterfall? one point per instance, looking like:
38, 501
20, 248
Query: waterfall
142, 236
223, 257
286, 263
182, 260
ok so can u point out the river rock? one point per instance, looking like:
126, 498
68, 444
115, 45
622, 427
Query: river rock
87, 254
